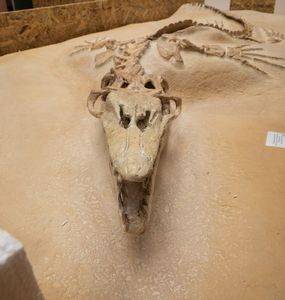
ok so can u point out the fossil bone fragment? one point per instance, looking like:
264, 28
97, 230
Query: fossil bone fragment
136, 108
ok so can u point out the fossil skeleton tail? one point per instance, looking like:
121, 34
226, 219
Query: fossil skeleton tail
244, 33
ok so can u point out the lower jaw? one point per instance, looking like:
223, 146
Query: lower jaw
135, 225
134, 204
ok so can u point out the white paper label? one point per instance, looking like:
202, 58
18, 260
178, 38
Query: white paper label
275, 139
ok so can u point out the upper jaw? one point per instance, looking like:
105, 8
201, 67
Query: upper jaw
134, 167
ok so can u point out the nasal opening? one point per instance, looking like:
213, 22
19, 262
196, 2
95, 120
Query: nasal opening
143, 122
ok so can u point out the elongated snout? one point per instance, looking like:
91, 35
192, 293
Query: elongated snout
134, 167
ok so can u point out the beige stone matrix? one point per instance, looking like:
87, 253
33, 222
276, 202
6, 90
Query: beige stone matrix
217, 224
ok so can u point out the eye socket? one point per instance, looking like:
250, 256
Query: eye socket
125, 120
107, 80
144, 121
149, 85
125, 84
165, 107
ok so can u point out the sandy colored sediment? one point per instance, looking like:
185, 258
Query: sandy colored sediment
217, 225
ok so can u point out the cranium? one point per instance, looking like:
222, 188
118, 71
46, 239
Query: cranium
135, 124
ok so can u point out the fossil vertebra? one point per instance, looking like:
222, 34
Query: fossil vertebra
136, 108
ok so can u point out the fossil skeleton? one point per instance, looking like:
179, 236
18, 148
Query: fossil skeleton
136, 108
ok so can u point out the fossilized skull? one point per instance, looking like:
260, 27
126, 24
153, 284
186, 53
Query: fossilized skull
135, 123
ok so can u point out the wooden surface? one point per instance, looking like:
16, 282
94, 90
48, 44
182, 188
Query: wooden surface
27, 29
259, 5
43, 3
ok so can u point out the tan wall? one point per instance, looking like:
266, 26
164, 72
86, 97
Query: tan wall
26, 29
259, 5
